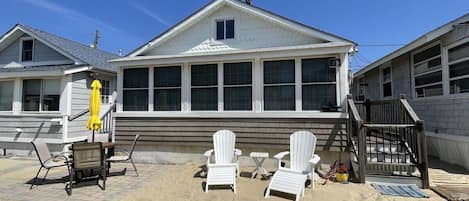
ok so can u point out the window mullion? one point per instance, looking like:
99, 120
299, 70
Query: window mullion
220, 85
151, 89
41, 94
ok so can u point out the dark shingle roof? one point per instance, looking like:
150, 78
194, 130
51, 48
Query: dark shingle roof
93, 57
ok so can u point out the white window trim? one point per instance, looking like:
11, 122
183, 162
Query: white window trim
257, 90
451, 46
12, 95
122, 88
222, 76
21, 49
382, 82
224, 19
206, 87
41, 96
153, 88
444, 60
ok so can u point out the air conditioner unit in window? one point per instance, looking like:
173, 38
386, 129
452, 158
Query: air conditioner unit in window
334, 63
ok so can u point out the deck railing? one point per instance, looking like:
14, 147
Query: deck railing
390, 133
107, 121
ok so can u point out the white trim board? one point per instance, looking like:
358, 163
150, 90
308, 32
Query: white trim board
290, 51
226, 114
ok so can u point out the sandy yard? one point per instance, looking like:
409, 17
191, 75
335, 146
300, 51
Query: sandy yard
183, 182
180, 183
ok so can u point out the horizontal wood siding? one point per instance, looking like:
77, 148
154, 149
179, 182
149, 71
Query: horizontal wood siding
33, 127
80, 101
251, 133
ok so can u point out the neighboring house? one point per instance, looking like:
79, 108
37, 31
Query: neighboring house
45, 85
433, 72
232, 65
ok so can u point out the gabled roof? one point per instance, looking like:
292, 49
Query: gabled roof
79, 53
422, 40
249, 8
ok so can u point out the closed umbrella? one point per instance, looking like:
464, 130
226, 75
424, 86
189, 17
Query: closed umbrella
94, 122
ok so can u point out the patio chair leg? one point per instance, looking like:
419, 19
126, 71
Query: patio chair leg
47, 172
312, 179
206, 187
70, 187
267, 192
35, 178
103, 172
133, 164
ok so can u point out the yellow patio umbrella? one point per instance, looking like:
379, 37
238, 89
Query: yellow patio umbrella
94, 122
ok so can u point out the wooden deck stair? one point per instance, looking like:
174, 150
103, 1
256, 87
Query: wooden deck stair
391, 147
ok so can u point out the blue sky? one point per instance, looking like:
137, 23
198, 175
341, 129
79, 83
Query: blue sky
128, 24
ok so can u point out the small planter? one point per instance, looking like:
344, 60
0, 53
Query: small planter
341, 177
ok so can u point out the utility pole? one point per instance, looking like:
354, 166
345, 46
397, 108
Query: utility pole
96, 40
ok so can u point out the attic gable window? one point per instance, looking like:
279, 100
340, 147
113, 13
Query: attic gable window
27, 49
225, 29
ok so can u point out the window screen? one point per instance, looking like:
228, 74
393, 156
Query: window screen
135, 89
237, 86
204, 92
167, 85
318, 84
279, 85
6, 95
27, 50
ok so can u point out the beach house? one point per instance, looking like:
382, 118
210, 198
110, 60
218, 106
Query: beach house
45, 87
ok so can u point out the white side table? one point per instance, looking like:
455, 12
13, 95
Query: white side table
259, 158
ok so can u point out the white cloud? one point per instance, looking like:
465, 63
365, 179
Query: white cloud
150, 14
71, 14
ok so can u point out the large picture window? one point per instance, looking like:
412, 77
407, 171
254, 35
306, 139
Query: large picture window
167, 86
204, 87
318, 84
458, 60
135, 89
41, 95
237, 81
427, 72
6, 95
279, 85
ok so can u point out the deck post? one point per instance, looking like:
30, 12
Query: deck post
422, 143
361, 151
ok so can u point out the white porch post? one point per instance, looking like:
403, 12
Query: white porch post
257, 92
119, 84
66, 103
17, 96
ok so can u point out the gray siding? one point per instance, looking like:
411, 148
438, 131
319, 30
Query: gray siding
11, 53
195, 134
42, 53
444, 115
80, 102
33, 127
401, 76
45, 53
447, 114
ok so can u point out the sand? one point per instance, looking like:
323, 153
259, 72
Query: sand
181, 183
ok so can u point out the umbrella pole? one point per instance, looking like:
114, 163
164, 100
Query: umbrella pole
92, 137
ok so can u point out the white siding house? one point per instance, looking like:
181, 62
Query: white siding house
44, 84
232, 65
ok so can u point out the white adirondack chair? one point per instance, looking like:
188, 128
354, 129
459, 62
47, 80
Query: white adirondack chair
225, 167
302, 163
